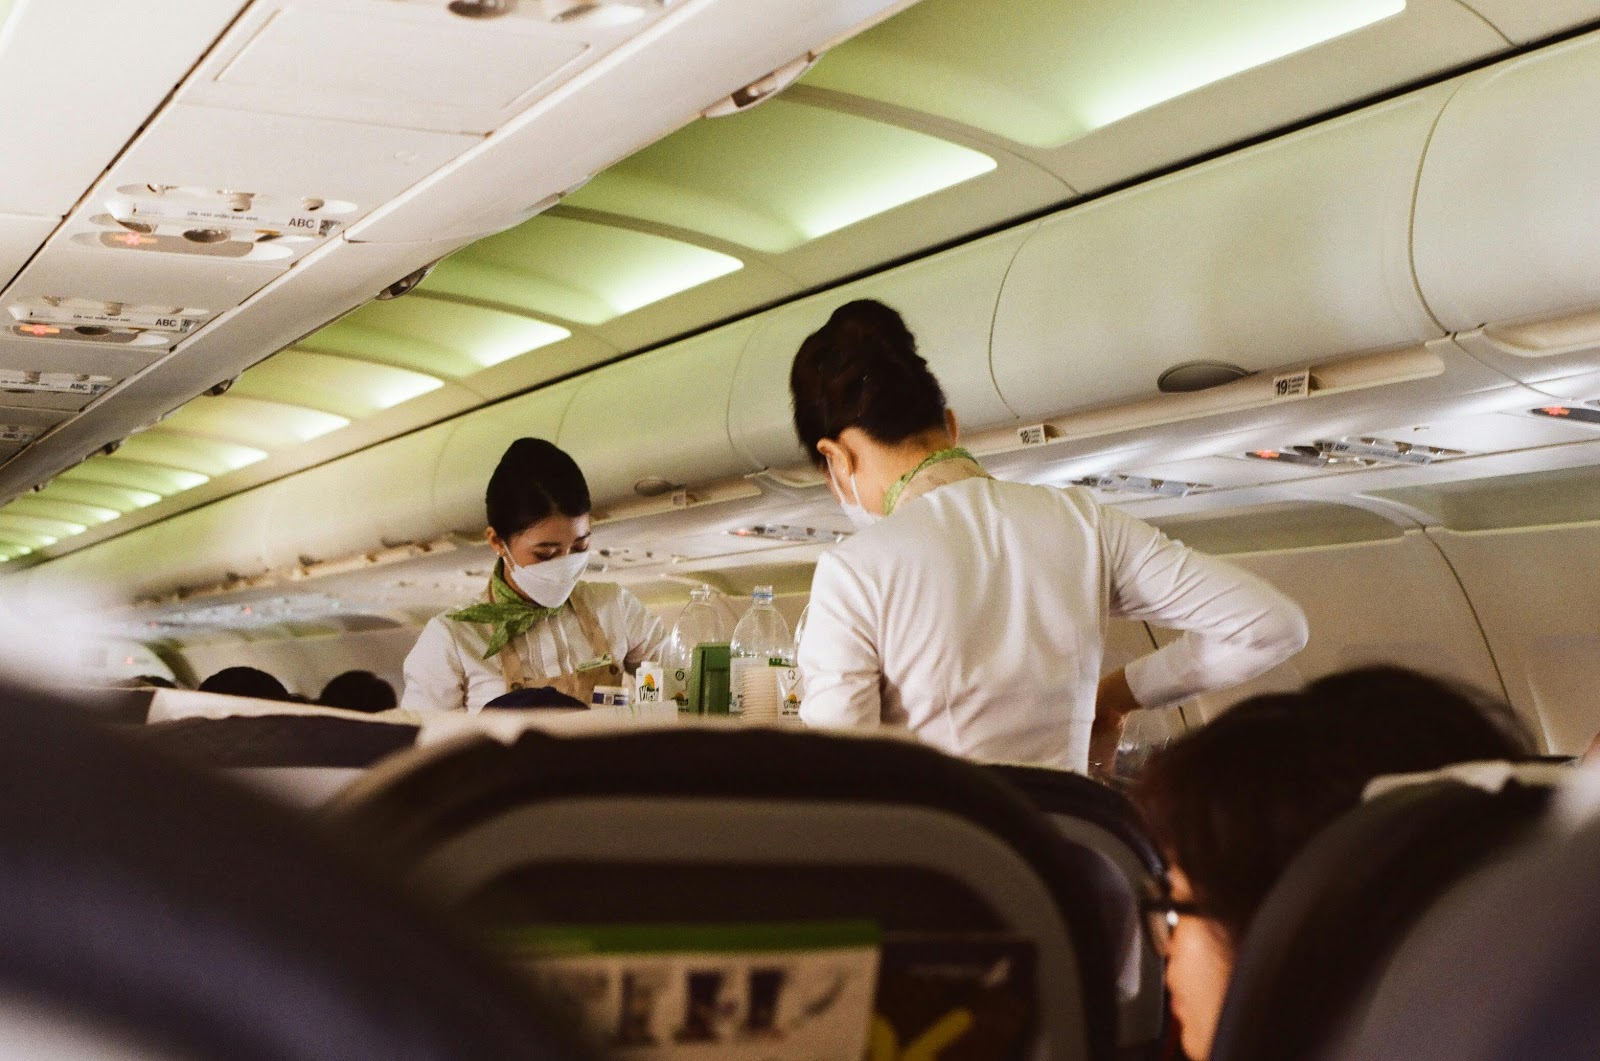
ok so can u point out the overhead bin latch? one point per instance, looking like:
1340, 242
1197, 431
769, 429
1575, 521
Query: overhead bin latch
761, 89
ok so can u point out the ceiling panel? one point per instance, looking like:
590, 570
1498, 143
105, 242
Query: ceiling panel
577, 271
19, 238
264, 425
780, 175
119, 470
68, 270
411, 65
207, 456
64, 124
122, 498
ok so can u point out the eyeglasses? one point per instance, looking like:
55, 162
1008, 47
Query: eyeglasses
1161, 919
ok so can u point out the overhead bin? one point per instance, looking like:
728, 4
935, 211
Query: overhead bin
1507, 216
644, 426
948, 302
1284, 253
366, 501
476, 444
1524, 21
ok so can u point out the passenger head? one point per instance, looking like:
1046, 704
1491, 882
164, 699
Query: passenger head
1233, 802
358, 690
245, 681
863, 399
538, 504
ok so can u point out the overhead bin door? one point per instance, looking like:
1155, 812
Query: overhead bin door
1285, 253
948, 302
1508, 219
475, 446
660, 420
360, 503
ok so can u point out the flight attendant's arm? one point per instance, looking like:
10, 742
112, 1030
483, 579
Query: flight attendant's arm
1236, 625
645, 632
435, 680
839, 658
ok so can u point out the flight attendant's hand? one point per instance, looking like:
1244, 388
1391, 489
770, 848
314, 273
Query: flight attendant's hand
1113, 703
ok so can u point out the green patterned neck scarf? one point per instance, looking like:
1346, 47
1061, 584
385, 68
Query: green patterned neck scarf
892, 498
506, 612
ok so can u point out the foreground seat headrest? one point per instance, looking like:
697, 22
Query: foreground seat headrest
1504, 968
1345, 902
142, 894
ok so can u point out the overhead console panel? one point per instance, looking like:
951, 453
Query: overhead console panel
1524, 21
19, 238
1291, 251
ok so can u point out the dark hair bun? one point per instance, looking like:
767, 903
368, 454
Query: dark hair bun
861, 369
535, 479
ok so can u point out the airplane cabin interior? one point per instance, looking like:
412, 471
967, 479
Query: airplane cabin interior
1312, 286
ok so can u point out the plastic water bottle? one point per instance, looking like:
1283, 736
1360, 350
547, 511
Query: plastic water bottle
761, 649
699, 624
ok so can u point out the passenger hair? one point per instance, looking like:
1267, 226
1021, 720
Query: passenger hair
358, 690
535, 479
1234, 801
861, 369
246, 681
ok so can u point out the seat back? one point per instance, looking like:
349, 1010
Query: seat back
1102, 821
1345, 902
142, 902
1503, 967
748, 826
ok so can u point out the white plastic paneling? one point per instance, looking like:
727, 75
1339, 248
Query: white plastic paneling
1393, 601
1528, 20
39, 419
948, 302
77, 80
366, 501
1537, 593
1491, 433
1222, 472
201, 547
378, 62
663, 414
275, 155
477, 443
699, 54
19, 238
1428, 37
96, 359
1507, 220
1289, 252
69, 270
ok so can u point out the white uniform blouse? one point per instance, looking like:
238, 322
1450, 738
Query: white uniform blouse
975, 616
446, 670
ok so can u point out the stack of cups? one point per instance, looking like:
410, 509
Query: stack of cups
758, 692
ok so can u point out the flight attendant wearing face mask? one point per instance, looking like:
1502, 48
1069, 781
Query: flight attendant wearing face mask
536, 625
972, 611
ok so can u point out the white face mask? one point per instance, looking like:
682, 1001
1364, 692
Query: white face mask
549, 582
854, 511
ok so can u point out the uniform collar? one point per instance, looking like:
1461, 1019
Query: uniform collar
939, 469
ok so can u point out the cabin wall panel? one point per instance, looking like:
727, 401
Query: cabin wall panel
1393, 601
1537, 592
304, 664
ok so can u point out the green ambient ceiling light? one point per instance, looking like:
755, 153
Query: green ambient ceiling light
119, 470
207, 456
268, 425
342, 385
50, 508
575, 270
123, 499
779, 176
49, 531
434, 336
1050, 72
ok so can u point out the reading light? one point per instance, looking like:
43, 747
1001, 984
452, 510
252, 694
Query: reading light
1138, 484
